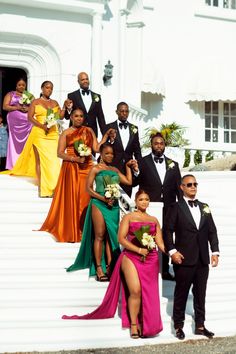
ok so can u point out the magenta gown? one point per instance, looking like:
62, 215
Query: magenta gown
19, 129
150, 316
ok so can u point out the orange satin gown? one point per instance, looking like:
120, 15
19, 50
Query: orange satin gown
66, 216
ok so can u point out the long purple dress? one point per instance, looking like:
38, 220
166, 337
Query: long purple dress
19, 129
150, 316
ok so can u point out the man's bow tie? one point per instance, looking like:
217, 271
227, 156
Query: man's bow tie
193, 203
123, 125
158, 159
85, 92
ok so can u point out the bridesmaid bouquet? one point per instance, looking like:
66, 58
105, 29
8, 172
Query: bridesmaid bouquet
145, 239
26, 98
82, 148
112, 190
51, 118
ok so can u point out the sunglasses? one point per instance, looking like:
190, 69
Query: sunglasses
189, 185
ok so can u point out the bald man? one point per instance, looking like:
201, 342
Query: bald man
90, 103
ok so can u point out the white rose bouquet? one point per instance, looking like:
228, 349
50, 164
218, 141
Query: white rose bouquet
51, 118
26, 98
112, 190
145, 239
82, 149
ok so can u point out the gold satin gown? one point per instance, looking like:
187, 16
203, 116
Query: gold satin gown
46, 145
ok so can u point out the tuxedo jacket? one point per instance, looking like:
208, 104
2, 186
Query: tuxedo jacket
191, 241
149, 180
95, 113
132, 150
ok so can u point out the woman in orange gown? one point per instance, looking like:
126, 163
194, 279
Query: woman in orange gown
67, 212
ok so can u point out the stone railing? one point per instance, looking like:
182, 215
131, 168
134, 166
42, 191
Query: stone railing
136, 113
204, 152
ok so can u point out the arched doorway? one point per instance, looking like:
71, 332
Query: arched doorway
8, 78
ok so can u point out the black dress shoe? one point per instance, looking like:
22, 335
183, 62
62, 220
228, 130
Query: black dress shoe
204, 332
179, 333
168, 276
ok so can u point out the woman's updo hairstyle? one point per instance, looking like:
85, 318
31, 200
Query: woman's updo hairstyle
139, 192
45, 83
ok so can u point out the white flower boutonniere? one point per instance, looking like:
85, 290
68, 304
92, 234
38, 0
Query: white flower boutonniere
206, 210
170, 164
134, 129
96, 98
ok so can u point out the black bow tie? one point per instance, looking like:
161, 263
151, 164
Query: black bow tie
158, 159
123, 125
85, 92
193, 203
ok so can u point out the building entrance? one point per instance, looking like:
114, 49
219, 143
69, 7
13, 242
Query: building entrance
8, 78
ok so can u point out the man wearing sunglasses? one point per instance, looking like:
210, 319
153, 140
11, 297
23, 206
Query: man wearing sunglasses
194, 229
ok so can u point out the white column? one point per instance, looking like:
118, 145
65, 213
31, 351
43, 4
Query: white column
96, 57
192, 153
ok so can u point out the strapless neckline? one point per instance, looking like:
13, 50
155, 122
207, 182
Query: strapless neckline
142, 222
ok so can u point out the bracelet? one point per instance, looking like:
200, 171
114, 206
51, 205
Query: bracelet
72, 159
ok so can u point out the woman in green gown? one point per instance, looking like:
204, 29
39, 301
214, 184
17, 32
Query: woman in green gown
99, 246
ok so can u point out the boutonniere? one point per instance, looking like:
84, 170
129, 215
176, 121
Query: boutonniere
170, 164
133, 129
206, 210
96, 98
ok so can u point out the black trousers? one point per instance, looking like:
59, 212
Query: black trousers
186, 276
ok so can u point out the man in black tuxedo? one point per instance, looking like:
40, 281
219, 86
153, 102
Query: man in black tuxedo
89, 102
126, 141
160, 177
194, 229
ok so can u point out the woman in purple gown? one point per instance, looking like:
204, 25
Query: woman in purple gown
136, 272
18, 125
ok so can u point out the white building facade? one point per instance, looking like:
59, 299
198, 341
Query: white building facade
172, 60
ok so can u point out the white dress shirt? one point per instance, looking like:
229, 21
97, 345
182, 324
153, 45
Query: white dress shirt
195, 211
124, 134
160, 167
87, 99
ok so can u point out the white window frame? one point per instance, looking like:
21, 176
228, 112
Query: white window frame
224, 4
220, 128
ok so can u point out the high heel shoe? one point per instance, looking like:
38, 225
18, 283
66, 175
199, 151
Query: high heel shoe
101, 278
134, 335
108, 270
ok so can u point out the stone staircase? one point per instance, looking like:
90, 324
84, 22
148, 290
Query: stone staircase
35, 289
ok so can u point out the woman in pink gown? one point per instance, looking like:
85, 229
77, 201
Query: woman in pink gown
136, 272
18, 125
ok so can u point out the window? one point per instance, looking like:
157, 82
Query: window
211, 121
229, 122
220, 122
226, 4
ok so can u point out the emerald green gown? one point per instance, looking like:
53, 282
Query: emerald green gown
85, 257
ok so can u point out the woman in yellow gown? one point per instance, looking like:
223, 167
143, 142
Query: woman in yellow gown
39, 156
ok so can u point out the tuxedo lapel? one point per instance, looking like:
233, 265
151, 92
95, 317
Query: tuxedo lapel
202, 215
131, 136
153, 169
118, 137
187, 212
168, 169
93, 101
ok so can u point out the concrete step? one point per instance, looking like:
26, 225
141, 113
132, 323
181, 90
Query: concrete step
35, 289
